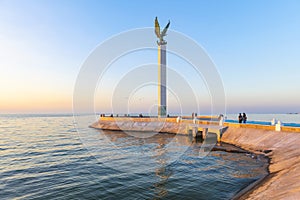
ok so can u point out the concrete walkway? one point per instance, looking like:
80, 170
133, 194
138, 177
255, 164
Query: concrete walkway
283, 148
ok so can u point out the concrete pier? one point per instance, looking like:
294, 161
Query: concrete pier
283, 150
162, 125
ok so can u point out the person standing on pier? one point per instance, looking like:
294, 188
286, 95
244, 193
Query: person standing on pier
244, 118
240, 118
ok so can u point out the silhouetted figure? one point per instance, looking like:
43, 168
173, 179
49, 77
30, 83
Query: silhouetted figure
240, 118
244, 118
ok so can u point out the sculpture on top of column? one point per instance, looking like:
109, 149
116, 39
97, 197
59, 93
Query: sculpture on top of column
159, 34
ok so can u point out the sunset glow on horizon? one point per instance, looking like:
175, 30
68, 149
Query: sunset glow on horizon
254, 45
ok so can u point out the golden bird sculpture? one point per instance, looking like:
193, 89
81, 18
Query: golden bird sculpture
162, 34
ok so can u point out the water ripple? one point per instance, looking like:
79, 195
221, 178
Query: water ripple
42, 157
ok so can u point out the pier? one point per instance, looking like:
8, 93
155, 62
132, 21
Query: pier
194, 128
198, 127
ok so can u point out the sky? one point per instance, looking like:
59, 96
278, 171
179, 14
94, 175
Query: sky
254, 45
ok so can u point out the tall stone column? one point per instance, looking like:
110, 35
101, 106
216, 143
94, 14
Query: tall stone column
162, 70
162, 80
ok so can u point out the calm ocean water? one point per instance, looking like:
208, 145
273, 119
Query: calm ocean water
44, 157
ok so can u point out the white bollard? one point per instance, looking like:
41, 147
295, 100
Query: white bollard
178, 119
221, 122
278, 126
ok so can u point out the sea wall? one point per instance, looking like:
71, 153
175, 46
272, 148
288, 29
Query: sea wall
166, 125
110, 123
283, 149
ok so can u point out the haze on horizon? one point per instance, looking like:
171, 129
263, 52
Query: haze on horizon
255, 46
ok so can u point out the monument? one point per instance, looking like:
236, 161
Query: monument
162, 71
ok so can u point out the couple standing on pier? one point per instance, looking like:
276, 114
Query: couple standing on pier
242, 118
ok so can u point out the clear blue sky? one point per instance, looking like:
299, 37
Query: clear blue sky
254, 44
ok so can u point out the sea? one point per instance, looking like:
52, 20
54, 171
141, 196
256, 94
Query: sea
57, 156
